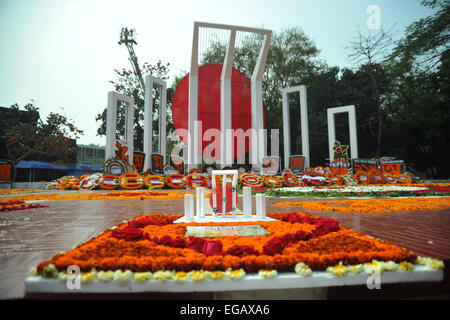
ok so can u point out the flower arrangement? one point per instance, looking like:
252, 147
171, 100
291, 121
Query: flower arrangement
131, 181
18, 205
372, 205
154, 181
175, 180
108, 182
195, 180
251, 180
138, 246
272, 181
290, 179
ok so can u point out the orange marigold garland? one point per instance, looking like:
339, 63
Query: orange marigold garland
154, 181
175, 181
272, 181
390, 179
196, 180
372, 205
131, 181
335, 180
108, 182
251, 180
67, 183
377, 177
290, 179
90, 182
153, 243
404, 179
363, 177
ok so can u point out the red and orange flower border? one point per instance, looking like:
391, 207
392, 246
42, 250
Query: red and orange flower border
153, 243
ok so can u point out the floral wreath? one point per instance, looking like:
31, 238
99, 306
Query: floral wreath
251, 180
315, 179
76, 184
377, 177
108, 182
131, 181
272, 181
404, 179
90, 182
154, 181
67, 182
391, 179
195, 180
115, 164
349, 179
335, 180
363, 177
290, 179
175, 180
194, 170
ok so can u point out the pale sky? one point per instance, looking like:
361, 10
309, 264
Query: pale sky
61, 53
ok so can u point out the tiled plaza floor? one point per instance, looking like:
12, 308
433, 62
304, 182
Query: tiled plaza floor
28, 237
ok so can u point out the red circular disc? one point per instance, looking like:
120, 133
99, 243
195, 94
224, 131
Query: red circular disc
209, 105
219, 197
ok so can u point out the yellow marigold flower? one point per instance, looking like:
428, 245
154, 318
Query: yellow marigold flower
237, 274
123, 277
105, 276
357, 268
303, 270
390, 266
338, 270
373, 267
163, 275
63, 276
88, 277
197, 275
50, 271
405, 266
180, 276
32, 271
215, 275
430, 263
142, 276
268, 274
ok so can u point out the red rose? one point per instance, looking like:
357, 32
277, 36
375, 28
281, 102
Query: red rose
211, 248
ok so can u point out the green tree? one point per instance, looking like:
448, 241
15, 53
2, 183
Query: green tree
420, 108
127, 83
26, 134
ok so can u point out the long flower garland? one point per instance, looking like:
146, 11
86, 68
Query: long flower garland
373, 205
128, 195
18, 205
138, 246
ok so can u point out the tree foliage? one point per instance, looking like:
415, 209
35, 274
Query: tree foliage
27, 135
127, 83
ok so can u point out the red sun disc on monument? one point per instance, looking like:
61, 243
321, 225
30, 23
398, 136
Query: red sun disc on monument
209, 104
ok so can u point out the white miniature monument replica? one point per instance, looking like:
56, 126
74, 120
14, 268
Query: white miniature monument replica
202, 214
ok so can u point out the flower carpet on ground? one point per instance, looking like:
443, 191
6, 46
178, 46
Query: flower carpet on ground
373, 205
17, 205
117, 195
378, 191
153, 247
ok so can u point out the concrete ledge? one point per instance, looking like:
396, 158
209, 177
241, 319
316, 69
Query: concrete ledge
25, 185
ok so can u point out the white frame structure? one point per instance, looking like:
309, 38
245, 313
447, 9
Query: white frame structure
150, 81
111, 121
303, 121
258, 147
350, 110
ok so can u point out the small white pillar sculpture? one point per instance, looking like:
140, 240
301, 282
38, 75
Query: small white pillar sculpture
350, 110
